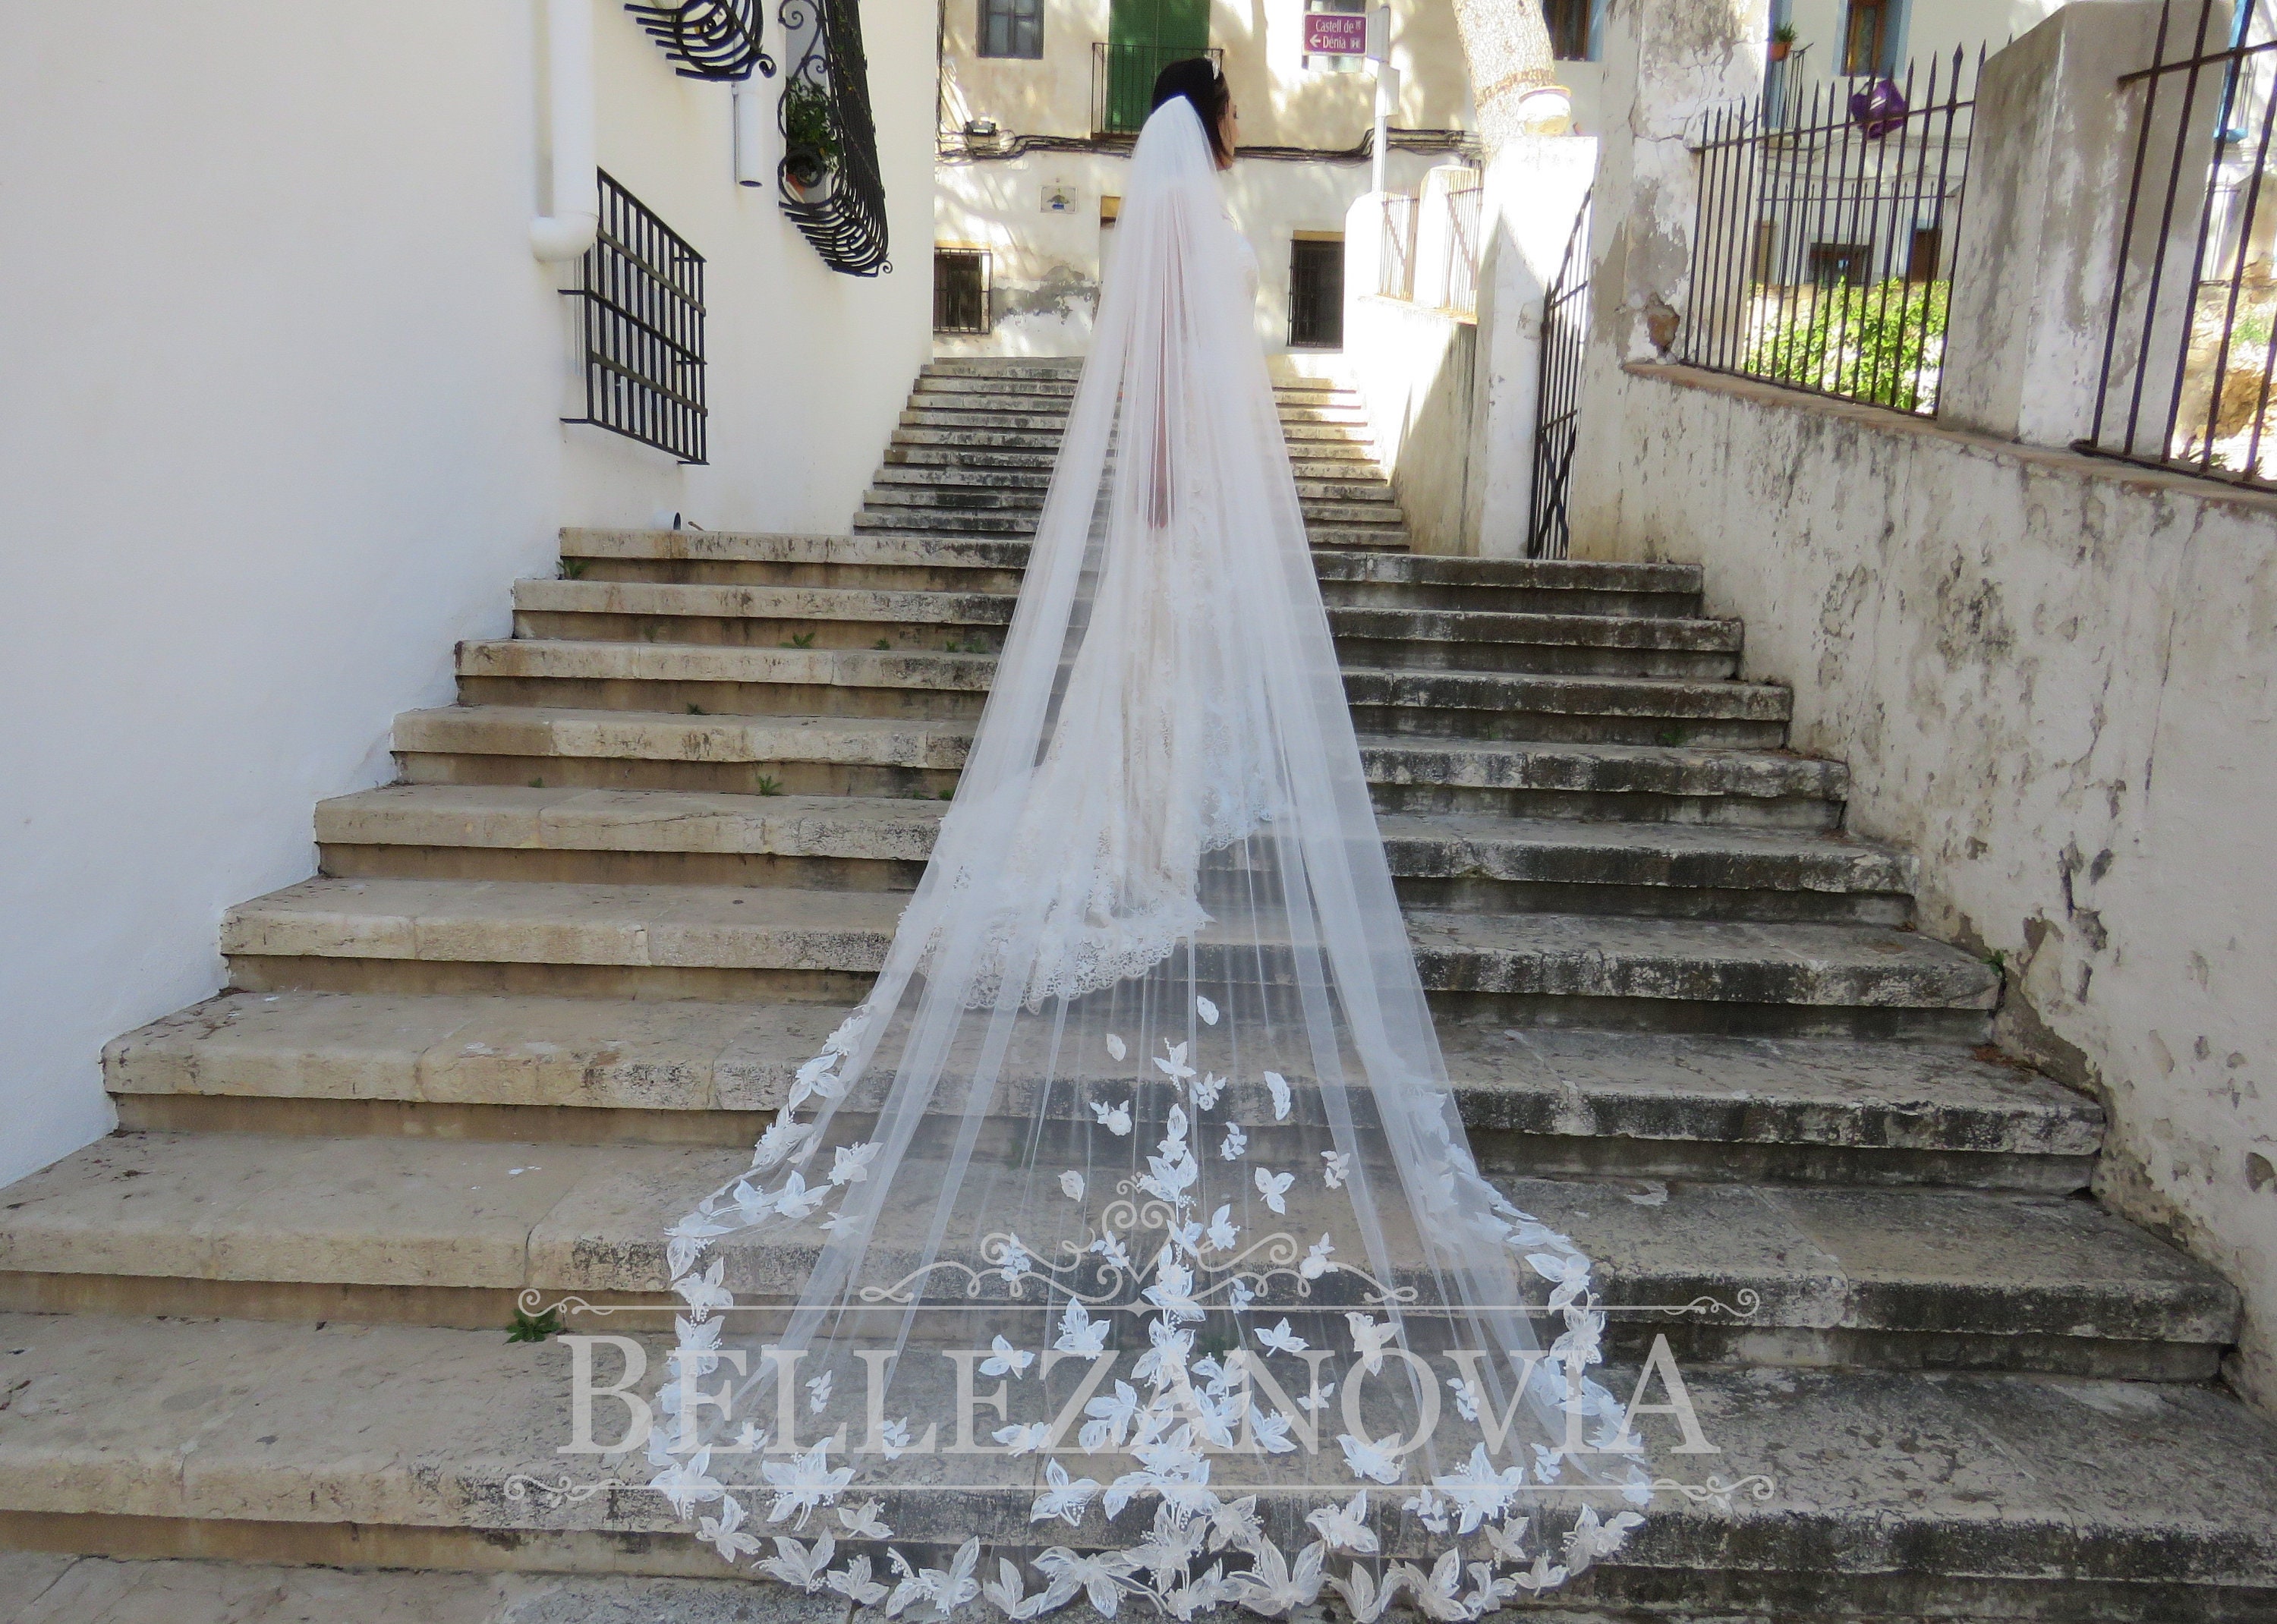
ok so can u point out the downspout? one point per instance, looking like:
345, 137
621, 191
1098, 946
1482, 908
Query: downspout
575, 219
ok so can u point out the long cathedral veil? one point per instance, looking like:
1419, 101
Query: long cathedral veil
1124, 1244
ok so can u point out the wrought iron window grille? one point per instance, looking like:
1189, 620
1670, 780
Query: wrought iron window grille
960, 291
2190, 341
1316, 293
828, 177
642, 287
1557, 411
708, 39
1817, 243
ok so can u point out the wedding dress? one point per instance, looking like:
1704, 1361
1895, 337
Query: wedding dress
1125, 1245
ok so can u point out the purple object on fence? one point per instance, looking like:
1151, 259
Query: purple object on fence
1878, 109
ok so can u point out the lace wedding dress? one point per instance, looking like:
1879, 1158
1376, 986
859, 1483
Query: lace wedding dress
1125, 1247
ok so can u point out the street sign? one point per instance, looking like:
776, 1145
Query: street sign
1336, 34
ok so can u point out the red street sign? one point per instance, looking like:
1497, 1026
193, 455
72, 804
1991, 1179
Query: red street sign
1336, 34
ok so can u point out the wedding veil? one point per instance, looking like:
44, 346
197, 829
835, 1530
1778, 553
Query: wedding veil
1125, 1244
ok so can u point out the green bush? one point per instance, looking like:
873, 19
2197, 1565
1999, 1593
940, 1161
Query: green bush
1881, 342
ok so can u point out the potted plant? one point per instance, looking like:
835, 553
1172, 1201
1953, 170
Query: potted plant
810, 139
1783, 42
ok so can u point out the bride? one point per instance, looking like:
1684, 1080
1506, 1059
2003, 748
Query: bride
1125, 1245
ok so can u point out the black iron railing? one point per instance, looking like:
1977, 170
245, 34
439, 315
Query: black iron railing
2190, 345
1819, 250
1557, 398
643, 289
832, 189
1123, 83
707, 39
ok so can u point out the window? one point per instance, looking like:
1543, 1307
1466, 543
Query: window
1317, 293
1839, 261
1012, 27
1573, 28
960, 291
1870, 36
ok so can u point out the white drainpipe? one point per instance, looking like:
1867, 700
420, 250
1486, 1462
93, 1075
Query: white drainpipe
576, 220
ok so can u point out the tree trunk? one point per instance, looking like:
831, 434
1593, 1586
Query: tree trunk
1508, 45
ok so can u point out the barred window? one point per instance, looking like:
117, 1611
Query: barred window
1012, 27
960, 291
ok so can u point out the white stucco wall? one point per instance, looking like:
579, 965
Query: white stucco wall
279, 425
2056, 680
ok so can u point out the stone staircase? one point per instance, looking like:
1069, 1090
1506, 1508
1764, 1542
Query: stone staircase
553, 982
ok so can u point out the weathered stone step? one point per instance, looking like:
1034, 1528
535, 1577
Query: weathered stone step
709, 941
998, 410
1015, 525
1030, 504
945, 480
879, 638
1412, 580
1931, 1495
1442, 860
428, 1231
1608, 709
857, 755
40, 1587
595, 672
600, 1071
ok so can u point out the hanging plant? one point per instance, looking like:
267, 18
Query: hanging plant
1783, 39
809, 134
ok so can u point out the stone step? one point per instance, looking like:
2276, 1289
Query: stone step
1014, 526
1002, 411
1768, 979
684, 614
1388, 579
707, 680
599, 1071
1375, 509
429, 1231
1881, 1492
857, 755
1370, 488
40, 1587
1447, 861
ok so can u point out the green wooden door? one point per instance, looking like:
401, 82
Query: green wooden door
1144, 37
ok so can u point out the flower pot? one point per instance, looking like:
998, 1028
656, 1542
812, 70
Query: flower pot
1781, 49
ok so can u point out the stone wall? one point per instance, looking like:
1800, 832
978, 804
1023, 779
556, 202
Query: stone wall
2054, 678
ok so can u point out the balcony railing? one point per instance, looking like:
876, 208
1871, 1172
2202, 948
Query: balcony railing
1123, 83
643, 288
830, 186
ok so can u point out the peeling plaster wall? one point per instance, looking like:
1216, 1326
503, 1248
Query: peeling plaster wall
2056, 680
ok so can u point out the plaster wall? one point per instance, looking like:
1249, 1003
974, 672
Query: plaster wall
1045, 265
282, 425
1282, 102
2055, 679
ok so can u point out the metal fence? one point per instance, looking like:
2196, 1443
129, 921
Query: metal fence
643, 288
1557, 398
1395, 268
1464, 214
1822, 249
2191, 341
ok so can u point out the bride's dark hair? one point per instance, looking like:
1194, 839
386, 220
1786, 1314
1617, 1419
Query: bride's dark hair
1202, 82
